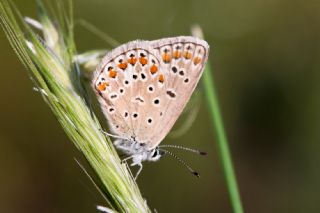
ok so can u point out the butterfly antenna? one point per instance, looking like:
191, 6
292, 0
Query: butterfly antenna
185, 148
182, 162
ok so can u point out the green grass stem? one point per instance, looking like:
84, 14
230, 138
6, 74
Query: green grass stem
222, 141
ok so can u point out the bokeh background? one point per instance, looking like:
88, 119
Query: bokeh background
266, 63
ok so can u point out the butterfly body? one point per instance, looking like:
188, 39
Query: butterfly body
143, 86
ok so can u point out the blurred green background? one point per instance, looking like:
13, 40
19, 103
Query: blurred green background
265, 57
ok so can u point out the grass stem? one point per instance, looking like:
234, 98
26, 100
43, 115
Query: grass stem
222, 141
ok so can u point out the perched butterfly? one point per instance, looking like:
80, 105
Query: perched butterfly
143, 86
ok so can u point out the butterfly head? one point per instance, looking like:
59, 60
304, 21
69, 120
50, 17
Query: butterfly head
139, 151
155, 154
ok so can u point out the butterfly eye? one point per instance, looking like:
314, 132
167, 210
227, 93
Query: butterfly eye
155, 153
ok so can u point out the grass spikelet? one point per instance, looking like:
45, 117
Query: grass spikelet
49, 59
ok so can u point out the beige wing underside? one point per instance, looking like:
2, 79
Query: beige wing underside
143, 86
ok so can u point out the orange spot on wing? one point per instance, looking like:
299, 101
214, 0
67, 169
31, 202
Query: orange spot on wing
166, 57
112, 74
102, 86
187, 55
143, 60
132, 60
176, 54
161, 78
196, 60
153, 69
123, 66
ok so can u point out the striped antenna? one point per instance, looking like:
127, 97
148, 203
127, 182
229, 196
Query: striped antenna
184, 148
182, 162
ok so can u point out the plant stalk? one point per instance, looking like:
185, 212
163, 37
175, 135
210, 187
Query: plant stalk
222, 141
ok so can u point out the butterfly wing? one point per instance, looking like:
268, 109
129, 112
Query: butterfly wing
143, 86
182, 59
126, 83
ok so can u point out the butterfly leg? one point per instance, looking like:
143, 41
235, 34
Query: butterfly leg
126, 159
110, 135
139, 171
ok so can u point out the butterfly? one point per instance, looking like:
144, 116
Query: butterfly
143, 87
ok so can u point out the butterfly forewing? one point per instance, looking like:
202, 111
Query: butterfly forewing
143, 86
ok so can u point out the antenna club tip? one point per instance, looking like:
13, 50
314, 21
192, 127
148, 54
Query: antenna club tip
203, 153
196, 174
